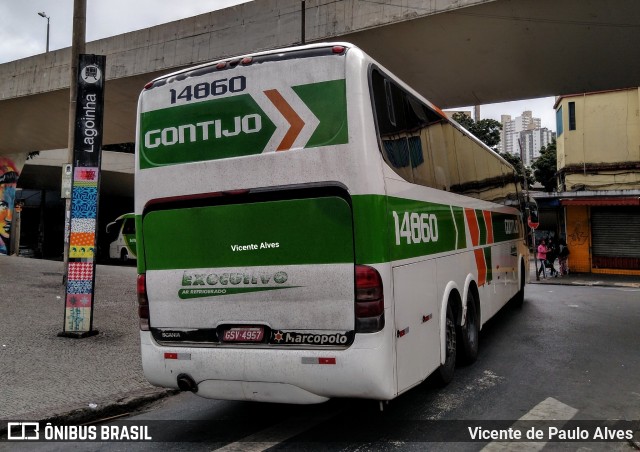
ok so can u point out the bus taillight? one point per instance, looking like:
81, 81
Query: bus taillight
143, 302
369, 305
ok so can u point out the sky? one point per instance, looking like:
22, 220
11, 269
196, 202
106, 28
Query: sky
23, 33
541, 108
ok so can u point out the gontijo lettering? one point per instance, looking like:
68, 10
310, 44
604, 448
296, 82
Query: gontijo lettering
202, 131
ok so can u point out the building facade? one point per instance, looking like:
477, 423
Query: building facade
532, 140
598, 146
511, 129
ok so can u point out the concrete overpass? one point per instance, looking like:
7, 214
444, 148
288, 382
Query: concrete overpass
455, 52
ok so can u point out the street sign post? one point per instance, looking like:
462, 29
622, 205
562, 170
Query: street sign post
80, 283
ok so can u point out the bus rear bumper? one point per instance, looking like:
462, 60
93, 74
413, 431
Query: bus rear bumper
257, 391
284, 376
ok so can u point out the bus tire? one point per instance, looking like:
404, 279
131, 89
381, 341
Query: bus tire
124, 256
444, 373
518, 300
469, 333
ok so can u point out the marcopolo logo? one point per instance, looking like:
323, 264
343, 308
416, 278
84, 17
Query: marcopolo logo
291, 337
228, 283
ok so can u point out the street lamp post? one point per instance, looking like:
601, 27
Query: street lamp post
42, 14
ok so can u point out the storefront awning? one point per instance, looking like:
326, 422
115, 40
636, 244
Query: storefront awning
629, 201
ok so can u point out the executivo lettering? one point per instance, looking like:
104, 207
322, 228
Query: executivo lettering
198, 285
211, 279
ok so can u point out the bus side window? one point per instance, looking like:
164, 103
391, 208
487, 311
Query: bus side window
430, 161
129, 226
445, 175
390, 121
391, 111
464, 152
417, 123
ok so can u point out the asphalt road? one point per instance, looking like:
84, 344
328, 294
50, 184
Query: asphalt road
571, 353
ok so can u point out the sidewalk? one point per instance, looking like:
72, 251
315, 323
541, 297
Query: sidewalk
43, 376
586, 279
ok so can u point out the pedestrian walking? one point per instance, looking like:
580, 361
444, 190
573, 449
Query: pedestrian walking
542, 257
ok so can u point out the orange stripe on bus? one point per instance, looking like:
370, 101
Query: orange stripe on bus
482, 266
474, 229
296, 123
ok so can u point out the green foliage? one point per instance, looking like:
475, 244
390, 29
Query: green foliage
486, 130
517, 164
546, 167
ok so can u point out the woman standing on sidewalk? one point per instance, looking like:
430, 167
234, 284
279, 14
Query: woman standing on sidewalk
542, 257
563, 256
552, 254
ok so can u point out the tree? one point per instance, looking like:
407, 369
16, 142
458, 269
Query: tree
546, 166
486, 130
514, 159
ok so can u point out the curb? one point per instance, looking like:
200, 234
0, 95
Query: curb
106, 408
583, 283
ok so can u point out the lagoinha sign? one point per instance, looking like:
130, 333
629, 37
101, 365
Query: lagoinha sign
82, 219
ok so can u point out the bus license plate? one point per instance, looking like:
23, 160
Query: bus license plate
252, 334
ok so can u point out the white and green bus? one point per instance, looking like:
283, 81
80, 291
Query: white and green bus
310, 227
123, 246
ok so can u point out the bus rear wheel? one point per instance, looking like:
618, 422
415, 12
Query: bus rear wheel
469, 333
444, 373
518, 300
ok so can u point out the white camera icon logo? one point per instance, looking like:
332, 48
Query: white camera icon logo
23, 431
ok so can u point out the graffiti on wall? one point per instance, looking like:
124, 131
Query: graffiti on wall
9, 172
579, 238
578, 234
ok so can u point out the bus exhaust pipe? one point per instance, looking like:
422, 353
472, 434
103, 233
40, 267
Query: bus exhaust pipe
186, 383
